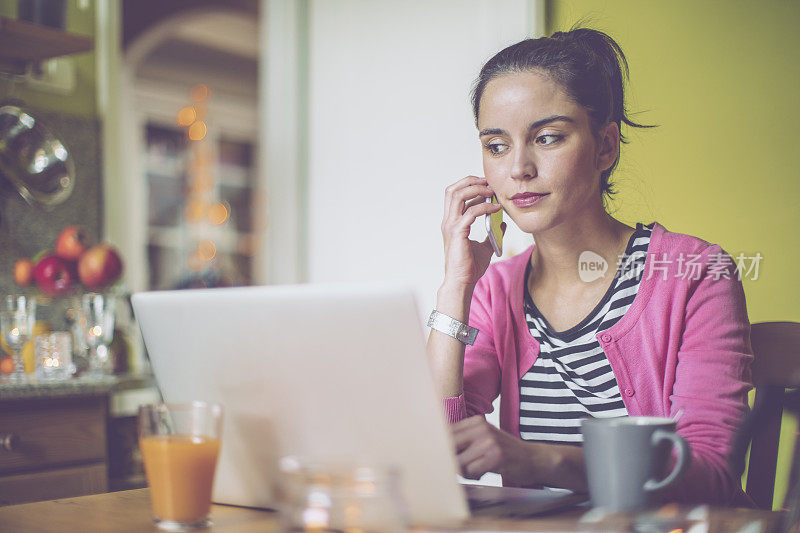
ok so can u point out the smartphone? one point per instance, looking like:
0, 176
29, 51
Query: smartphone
493, 222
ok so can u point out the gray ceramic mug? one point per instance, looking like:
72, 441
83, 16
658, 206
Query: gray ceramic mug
627, 460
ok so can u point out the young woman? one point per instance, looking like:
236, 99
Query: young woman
663, 331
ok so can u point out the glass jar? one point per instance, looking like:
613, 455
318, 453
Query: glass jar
53, 353
336, 496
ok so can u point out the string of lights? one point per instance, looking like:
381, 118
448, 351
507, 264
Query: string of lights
202, 206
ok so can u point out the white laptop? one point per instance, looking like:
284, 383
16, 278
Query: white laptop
324, 372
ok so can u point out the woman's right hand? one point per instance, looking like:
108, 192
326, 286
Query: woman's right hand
465, 261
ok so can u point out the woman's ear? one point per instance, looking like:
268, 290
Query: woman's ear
608, 146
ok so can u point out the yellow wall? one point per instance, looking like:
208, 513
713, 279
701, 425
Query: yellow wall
721, 79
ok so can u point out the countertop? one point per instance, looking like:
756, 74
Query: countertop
76, 387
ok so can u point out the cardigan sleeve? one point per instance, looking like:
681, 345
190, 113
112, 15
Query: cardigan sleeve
712, 381
481, 365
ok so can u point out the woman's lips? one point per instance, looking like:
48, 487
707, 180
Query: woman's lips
527, 199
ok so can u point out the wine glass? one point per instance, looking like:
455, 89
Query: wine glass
98, 327
16, 321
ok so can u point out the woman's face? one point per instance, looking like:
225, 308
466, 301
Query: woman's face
535, 139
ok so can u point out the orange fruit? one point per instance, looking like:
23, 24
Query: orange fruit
40, 327
6, 365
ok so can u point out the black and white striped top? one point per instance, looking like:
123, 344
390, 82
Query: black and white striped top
572, 378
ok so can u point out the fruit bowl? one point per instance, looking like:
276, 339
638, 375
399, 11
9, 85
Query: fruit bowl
74, 265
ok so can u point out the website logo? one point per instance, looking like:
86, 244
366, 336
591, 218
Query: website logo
591, 266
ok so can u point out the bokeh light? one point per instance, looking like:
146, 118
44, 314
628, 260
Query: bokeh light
197, 131
199, 93
186, 116
195, 210
207, 250
218, 213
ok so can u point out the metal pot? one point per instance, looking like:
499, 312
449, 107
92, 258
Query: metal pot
37, 164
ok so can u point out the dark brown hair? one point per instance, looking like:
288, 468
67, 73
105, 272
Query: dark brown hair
587, 63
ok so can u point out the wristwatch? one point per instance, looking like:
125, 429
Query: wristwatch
450, 326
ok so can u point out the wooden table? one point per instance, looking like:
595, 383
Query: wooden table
129, 511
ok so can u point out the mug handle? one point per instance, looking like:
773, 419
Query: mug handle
681, 463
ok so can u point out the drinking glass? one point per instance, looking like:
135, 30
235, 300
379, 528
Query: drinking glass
17, 317
180, 444
336, 496
98, 328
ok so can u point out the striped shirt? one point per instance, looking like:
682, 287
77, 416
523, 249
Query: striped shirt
572, 378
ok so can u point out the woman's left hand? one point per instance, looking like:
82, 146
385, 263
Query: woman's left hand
481, 448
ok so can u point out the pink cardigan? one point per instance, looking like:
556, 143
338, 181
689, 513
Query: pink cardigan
683, 346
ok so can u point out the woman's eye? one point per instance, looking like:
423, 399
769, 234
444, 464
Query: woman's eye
547, 140
496, 148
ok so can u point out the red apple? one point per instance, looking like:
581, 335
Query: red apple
71, 243
99, 266
54, 275
23, 272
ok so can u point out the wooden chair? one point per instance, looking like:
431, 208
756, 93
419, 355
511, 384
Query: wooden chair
776, 367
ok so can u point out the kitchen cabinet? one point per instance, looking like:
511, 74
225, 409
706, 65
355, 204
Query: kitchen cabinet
52, 448
22, 43
70, 438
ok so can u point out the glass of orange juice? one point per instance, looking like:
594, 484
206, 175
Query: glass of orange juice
180, 444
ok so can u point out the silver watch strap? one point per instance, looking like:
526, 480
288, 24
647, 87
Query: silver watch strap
450, 326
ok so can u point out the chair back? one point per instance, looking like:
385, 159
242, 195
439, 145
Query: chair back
776, 367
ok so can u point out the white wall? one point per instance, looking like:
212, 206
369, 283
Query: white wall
390, 127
